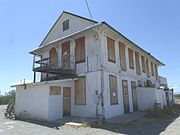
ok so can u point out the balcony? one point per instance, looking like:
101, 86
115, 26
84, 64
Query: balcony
50, 69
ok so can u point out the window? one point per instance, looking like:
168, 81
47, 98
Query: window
55, 90
147, 68
80, 50
80, 91
111, 50
143, 64
131, 60
113, 90
152, 69
156, 71
53, 57
138, 70
122, 56
66, 25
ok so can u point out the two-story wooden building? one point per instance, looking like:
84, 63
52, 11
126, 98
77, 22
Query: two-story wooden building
88, 69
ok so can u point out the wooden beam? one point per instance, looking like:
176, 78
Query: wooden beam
34, 76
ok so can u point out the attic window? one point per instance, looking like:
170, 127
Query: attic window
65, 25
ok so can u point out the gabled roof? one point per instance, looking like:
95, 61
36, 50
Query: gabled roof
59, 19
95, 25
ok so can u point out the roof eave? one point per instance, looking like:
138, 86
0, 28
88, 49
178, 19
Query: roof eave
160, 63
68, 36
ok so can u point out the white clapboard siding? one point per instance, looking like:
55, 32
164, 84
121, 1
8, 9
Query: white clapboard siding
75, 24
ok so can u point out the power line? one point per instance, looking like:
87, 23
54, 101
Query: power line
89, 9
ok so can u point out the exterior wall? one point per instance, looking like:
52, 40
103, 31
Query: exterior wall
92, 107
148, 96
35, 101
163, 81
92, 55
161, 98
75, 24
32, 102
112, 110
111, 68
56, 101
97, 69
115, 67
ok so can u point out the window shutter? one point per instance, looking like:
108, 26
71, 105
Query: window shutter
131, 60
156, 71
152, 69
122, 56
113, 89
111, 50
147, 68
138, 70
80, 50
80, 91
143, 64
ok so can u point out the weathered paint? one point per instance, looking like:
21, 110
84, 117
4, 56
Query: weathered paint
75, 24
96, 62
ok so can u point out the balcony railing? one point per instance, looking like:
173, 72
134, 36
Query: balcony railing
50, 69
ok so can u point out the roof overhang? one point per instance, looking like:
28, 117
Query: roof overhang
37, 51
147, 53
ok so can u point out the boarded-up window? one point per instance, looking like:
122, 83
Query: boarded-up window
152, 69
111, 50
53, 57
122, 56
80, 91
80, 50
65, 25
138, 70
147, 68
156, 71
66, 54
113, 90
55, 90
143, 64
131, 60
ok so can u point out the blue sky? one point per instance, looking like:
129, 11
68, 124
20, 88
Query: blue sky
154, 25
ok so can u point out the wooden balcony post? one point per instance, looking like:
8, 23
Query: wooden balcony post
33, 68
34, 76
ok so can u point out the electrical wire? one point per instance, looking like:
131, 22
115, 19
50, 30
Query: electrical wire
89, 9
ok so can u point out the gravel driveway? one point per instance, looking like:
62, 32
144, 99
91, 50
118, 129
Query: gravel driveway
144, 126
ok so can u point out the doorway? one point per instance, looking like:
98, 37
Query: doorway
125, 96
66, 101
134, 95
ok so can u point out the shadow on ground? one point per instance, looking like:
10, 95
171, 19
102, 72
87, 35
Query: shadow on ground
151, 124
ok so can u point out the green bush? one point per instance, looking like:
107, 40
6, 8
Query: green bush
4, 100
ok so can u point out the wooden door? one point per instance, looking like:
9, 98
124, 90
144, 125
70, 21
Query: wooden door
66, 101
134, 96
125, 96
66, 54
53, 57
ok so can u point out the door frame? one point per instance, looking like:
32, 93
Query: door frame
70, 94
134, 93
126, 108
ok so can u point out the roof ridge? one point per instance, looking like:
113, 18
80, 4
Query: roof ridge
60, 17
79, 16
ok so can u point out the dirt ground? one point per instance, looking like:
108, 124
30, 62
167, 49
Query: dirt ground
164, 123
